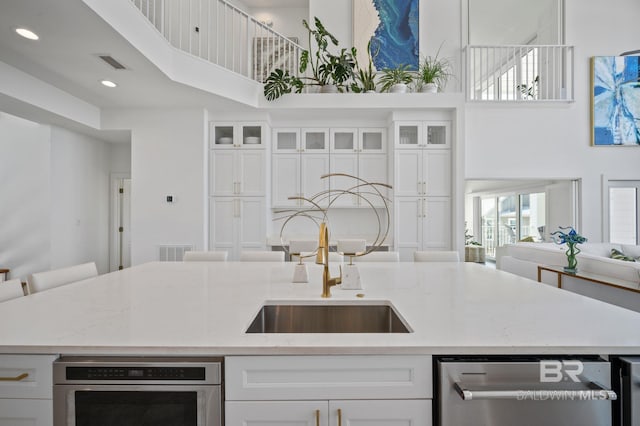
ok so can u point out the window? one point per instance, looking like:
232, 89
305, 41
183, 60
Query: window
624, 204
512, 217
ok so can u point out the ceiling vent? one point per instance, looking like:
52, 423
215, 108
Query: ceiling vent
111, 61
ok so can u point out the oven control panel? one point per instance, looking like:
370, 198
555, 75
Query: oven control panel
135, 373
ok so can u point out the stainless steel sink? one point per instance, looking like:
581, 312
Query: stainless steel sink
328, 318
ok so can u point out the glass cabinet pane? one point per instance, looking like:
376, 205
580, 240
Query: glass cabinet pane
252, 135
436, 135
286, 141
408, 135
224, 135
371, 141
315, 141
344, 140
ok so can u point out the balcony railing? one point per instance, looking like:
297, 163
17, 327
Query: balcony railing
519, 73
219, 32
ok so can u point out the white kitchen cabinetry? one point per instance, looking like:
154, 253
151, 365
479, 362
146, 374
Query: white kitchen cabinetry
238, 176
237, 224
361, 153
422, 186
26, 390
234, 135
300, 158
328, 390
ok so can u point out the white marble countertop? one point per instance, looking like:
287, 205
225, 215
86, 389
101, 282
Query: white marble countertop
204, 308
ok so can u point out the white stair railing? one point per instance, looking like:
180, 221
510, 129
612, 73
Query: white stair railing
520, 73
219, 32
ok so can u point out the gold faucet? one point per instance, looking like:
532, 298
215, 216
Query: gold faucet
322, 258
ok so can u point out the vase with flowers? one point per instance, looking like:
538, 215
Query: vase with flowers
571, 239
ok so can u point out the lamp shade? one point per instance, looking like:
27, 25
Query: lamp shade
300, 246
352, 246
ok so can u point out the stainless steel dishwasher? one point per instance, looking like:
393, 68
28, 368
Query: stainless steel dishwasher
525, 391
137, 391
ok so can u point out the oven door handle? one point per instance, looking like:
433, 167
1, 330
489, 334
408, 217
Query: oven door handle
593, 391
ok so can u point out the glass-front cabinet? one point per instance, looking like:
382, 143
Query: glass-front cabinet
422, 134
229, 135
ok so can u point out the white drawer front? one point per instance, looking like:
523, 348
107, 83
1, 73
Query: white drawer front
328, 377
38, 382
26, 412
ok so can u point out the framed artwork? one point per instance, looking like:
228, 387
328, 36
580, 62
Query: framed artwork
615, 100
270, 53
392, 27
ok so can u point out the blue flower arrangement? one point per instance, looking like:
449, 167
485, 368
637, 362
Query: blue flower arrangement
571, 239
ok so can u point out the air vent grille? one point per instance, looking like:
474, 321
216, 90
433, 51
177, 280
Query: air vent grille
111, 61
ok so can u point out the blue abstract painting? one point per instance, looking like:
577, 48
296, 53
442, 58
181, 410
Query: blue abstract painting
392, 27
616, 100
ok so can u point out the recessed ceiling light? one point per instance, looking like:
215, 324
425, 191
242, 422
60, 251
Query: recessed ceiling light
108, 83
27, 34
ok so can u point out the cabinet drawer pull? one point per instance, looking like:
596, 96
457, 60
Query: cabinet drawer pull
317, 417
14, 379
339, 417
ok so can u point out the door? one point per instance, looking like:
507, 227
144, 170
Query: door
408, 173
222, 179
33, 412
348, 164
276, 413
251, 226
223, 211
373, 169
436, 223
436, 173
250, 172
416, 412
120, 240
313, 166
409, 226
285, 179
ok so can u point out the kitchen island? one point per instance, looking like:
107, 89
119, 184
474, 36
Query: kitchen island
178, 308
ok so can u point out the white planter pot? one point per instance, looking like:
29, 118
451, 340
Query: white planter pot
370, 91
329, 88
399, 88
429, 88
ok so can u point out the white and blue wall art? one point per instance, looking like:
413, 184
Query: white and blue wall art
392, 27
615, 100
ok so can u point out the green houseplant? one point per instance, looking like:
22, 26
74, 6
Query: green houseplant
326, 69
433, 73
395, 80
365, 78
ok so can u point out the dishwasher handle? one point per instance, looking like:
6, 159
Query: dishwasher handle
595, 391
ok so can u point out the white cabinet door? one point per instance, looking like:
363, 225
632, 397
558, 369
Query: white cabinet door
313, 166
276, 413
251, 230
373, 168
251, 172
344, 141
251, 135
222, 179
33, 376
286, 140
315, 140
380, 412
285, 172
407, 134
437, 134
223, 211
436, 228
348, 164
408, 171
436, 173
372, 140
32, 412
408, 226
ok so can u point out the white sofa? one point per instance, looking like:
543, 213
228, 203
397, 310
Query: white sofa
524, 258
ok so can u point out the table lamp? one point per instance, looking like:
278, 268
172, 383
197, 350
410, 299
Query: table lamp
350, 273
296, 248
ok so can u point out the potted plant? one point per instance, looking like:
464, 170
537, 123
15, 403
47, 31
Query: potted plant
329, 71
433, 73
365, 78
395, 80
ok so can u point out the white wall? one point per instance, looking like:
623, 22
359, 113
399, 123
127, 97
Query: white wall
168, 157
517, 141
286, 21
24, 196
55, 196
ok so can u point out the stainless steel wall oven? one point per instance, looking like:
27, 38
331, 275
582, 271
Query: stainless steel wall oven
110, 391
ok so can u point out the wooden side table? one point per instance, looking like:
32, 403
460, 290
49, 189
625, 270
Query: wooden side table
608, 281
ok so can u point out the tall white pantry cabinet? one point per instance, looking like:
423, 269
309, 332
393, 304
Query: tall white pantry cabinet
422, 186
238, 182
